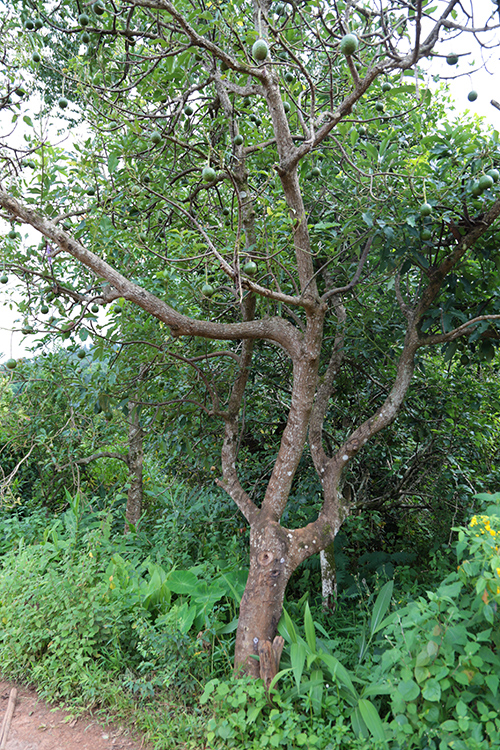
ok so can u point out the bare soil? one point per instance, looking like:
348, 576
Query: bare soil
37, 726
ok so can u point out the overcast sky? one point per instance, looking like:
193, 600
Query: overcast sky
485, 81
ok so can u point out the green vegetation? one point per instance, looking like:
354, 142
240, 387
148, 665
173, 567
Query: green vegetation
254, 259
128, 623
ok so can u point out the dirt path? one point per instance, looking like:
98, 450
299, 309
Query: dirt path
37, 726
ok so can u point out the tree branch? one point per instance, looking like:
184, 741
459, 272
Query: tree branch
456, 332
273, 329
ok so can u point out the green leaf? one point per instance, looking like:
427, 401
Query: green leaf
432, 690
381, 606
297, 658
316, 691
209, 689
363, 646
372, 720
113, 160
182, 582
409, 690
338, 672
253, 713
422, 674
488, 613
230, 627
186, 615
358, 725
309, 628
377, 688
423, 658
492, 681
278, 677
289, 629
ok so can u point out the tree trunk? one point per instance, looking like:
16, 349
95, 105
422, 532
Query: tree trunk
257, 650
135, 462
328, 577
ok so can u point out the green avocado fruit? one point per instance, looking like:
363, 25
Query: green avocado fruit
250, 268
349, 44
208, 174
260, 50
485, 182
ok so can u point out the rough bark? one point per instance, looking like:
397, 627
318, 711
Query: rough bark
328, 577
262, 602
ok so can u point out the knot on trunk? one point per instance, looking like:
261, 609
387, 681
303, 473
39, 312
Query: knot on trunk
264, 558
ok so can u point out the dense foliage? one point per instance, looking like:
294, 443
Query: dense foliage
248, 237
106, 621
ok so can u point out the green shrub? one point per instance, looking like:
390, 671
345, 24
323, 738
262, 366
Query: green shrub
244, 717
82, 614
427, 675
442, 652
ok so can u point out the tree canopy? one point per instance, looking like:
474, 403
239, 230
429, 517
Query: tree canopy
270, 196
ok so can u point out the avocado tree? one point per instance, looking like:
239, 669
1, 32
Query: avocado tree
274, 176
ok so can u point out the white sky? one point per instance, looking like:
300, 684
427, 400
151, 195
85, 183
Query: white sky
485, 81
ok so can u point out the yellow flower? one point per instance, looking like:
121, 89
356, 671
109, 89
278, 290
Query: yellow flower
498, 572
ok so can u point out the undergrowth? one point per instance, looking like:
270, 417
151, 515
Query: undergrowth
106, 623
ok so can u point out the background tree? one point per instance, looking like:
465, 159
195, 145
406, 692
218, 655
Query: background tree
273, 176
